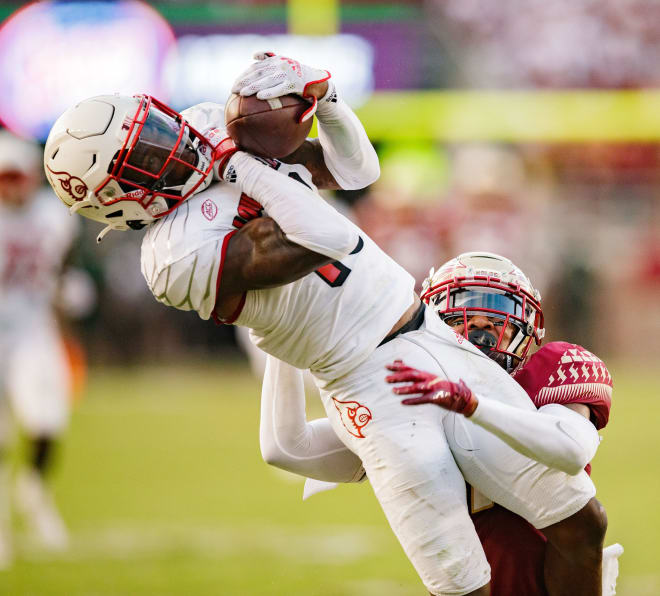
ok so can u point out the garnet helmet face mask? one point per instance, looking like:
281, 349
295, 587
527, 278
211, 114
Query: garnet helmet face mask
125, 161
481, 283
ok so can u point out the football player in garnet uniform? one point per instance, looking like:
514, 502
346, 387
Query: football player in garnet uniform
569, 385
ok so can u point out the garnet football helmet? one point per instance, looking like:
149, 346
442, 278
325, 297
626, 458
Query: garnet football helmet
481, 283
125, 161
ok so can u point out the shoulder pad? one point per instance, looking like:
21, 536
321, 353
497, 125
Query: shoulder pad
566, 373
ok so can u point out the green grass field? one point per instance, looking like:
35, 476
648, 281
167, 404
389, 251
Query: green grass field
163, 488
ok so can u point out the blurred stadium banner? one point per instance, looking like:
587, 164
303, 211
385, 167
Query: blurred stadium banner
180, 45
514, 116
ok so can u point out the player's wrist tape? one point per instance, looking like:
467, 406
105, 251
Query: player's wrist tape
304, 217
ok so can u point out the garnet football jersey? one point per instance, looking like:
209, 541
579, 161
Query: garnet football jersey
563, 373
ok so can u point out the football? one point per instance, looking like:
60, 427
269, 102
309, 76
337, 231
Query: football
267, 128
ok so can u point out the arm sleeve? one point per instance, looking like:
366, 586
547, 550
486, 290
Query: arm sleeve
289, 442
304, 217
553, 435
347, 151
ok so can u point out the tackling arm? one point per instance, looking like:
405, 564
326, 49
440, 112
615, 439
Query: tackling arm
554, 435
289, 442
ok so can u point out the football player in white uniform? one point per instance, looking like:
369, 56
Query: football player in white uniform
250, 242
561, 379
35, 239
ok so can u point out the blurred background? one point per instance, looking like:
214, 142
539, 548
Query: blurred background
526, 128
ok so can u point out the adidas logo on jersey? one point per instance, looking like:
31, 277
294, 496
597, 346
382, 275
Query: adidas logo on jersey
332, 98
230, 174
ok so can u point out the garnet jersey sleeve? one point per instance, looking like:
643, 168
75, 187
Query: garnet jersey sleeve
565, 373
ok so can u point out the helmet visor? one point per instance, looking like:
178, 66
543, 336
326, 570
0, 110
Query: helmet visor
162, 157
489, 301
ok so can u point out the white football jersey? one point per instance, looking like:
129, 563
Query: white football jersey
328, 321
34, 241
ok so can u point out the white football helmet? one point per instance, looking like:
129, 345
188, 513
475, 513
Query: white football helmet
125, 161
482, 283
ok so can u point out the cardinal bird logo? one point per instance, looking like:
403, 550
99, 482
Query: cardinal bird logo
354, 416
72, 185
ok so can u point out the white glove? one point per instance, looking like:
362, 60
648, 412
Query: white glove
273, 76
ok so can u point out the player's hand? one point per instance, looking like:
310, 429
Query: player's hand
430, 389
273, 76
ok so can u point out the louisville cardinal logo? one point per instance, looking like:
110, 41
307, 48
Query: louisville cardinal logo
354, 416
72, 185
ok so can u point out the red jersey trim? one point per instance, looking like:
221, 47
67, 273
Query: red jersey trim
223, 252
235, 314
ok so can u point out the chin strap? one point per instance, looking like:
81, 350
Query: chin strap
103, 233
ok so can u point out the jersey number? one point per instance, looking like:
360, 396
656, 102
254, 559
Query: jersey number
335, 273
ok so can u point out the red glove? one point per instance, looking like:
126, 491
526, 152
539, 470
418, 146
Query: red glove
456, 397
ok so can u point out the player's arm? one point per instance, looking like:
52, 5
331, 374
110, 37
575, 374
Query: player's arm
301, 233
343, 157
289, 441
310, 155
554, 435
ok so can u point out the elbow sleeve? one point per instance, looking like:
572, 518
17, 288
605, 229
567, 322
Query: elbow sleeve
348, 153
302, 214
582, 438
553, 435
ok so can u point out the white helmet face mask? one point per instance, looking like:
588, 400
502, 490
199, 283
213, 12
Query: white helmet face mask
125, 161
481, 283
